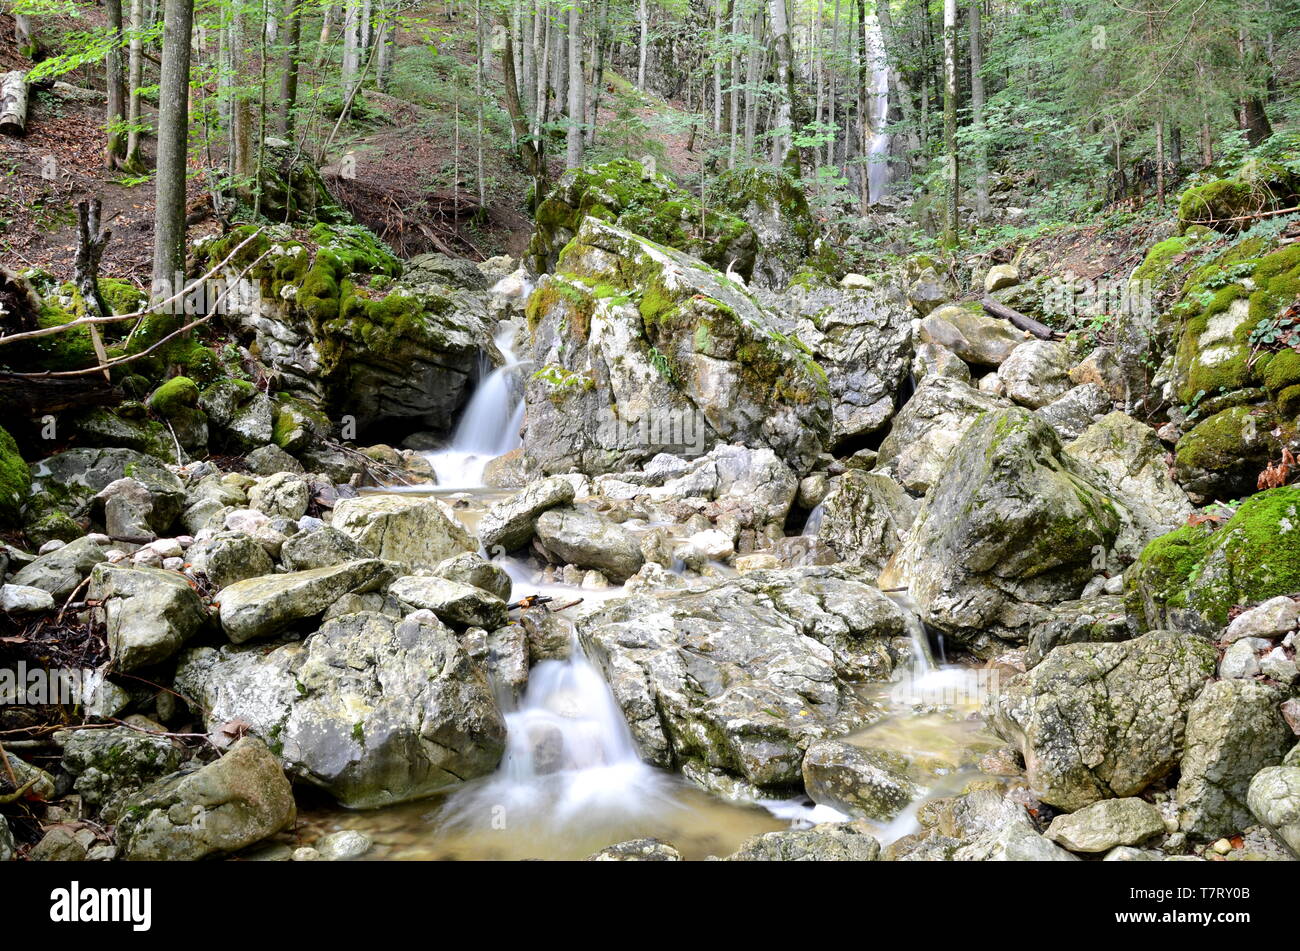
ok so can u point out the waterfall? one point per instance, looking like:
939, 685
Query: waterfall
570, 758
877, 166
490, 424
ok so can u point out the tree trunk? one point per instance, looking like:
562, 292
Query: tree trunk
85, 271
13, 103
530, 148
782, 148
134, 79
351, 46
643, 14
950, 237
289, 67
385, 40
977, 113
577, 89
173, 134
115, 88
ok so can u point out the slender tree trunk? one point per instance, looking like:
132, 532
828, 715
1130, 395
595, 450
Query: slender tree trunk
977, 112
135, 78
289, 66
115, 83
326, 33
734, 105
643, 15
783, 150
950, 236
23, 35
530, 149
751, 84
173, 135
577, 89
385, 47
351, 46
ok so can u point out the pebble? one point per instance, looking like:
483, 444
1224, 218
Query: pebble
52, 545
306, 855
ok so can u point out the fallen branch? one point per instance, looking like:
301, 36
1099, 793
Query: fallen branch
1017, 319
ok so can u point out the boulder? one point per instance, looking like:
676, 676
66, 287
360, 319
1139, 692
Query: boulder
1097, 721
68, 481
931, 359
1191, 578
640, 349
786, 232
1276, 617
228, 557
928, 428
1106, 824
109, 765
865, 518
374, 710
637, 850
1036, 373
24, 599
580, 536
471, 569
322, 548
241, 417
1234, 729
265, 606
148, 613
1000, 276
863, 340
828, 842
59, 572
453, 602
866, 783
1274, 799
223, 807
508, 523
736, 679
971, 334
1013, 526
282, 495
416, 532
1074, 412
1133, 457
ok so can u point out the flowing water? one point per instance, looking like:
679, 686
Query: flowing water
490, 424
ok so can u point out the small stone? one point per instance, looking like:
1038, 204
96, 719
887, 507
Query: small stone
1221, 846
1241, 661
53, 544
1273, 618
23, 599
306, 855
343, 846
1000, 276
1106, 824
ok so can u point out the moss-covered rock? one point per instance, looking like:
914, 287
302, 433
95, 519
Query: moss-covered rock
125, 427
15, 480
640, 349
1224, 453
1191, 578
1226, 203
646, 203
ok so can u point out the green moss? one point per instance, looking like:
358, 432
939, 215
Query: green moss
15, 480
176, 394
1217, 200
1280, 370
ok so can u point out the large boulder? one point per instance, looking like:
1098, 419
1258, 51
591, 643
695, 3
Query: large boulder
866, 783
1098, 721
862, 338
1133, 457
772, 201
223, 807
60, 571
109, 765
1013, 525
346, 338
1234, 729
865, 518
828, 842
413, 531
453, 602
645, 202
580, 536
264, 606
734, 680
640, 349
228, 557
373, 709
971, 334
1036, 373
1274, 799
69, 481
928, 428
1105, 824
148, 613
1191, 578
508, 523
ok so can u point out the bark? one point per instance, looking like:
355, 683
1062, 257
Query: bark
1017, 319
289, 67
782, 149
13, 103
134, 79
115, 88
529, 147
977, 112
91, 242
950, 237
643, 14
173, 133
577, 90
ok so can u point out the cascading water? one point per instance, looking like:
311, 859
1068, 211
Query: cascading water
878, 167
570, 759
490, 425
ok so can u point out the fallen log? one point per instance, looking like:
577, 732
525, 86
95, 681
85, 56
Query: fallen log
13, 103
34, 397
1017, 319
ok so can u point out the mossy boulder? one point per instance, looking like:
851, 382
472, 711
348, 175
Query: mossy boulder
15, 481
1225, 204
1222, 456
773, 203
177, 401
292, 188
647, 203
640, 349
346, 337
1191, 578
128, 427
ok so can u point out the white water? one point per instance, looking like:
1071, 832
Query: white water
490, 424
878, 167
570, 759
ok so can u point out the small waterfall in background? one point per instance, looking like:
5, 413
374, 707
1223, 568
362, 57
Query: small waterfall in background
878, 167
570, 759
490, 424
814, 523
